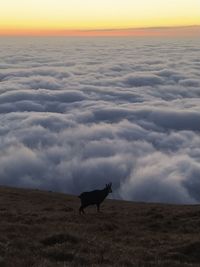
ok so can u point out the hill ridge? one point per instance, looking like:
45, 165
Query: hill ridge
44, 229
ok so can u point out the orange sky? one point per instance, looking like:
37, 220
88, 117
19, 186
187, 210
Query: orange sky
151, 32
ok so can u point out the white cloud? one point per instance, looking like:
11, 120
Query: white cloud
79, 113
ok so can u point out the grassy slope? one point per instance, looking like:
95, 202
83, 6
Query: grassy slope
44, 229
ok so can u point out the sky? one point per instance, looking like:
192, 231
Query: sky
73, 17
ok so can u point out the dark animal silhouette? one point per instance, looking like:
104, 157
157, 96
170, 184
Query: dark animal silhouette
95, 197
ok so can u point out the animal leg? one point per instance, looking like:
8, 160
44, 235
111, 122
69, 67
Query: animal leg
81, 210
98, 207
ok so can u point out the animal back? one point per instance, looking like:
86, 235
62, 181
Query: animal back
93, 197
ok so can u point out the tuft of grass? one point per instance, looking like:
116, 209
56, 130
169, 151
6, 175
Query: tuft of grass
189, 252
62, 256
59, 239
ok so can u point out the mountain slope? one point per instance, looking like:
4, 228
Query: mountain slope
44, 229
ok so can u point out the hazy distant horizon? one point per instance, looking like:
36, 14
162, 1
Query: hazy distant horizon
163, 31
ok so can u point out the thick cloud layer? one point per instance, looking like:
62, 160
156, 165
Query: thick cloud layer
78, 113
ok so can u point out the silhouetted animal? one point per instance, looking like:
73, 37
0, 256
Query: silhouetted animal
95, 197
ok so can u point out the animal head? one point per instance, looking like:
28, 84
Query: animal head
108, 188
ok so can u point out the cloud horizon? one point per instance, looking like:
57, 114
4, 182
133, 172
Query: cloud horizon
163, 31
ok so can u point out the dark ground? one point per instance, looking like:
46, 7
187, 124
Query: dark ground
44, 229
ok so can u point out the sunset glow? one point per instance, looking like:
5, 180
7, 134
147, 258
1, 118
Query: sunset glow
78, 17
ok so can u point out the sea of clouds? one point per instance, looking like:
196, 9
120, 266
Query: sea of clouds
76, 113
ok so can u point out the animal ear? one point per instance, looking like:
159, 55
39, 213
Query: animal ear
110, 184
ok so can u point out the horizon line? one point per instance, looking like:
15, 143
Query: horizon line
154, 31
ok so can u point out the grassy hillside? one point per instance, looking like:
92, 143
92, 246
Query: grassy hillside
44, 229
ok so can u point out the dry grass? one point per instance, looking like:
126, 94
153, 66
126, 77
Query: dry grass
44, 229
